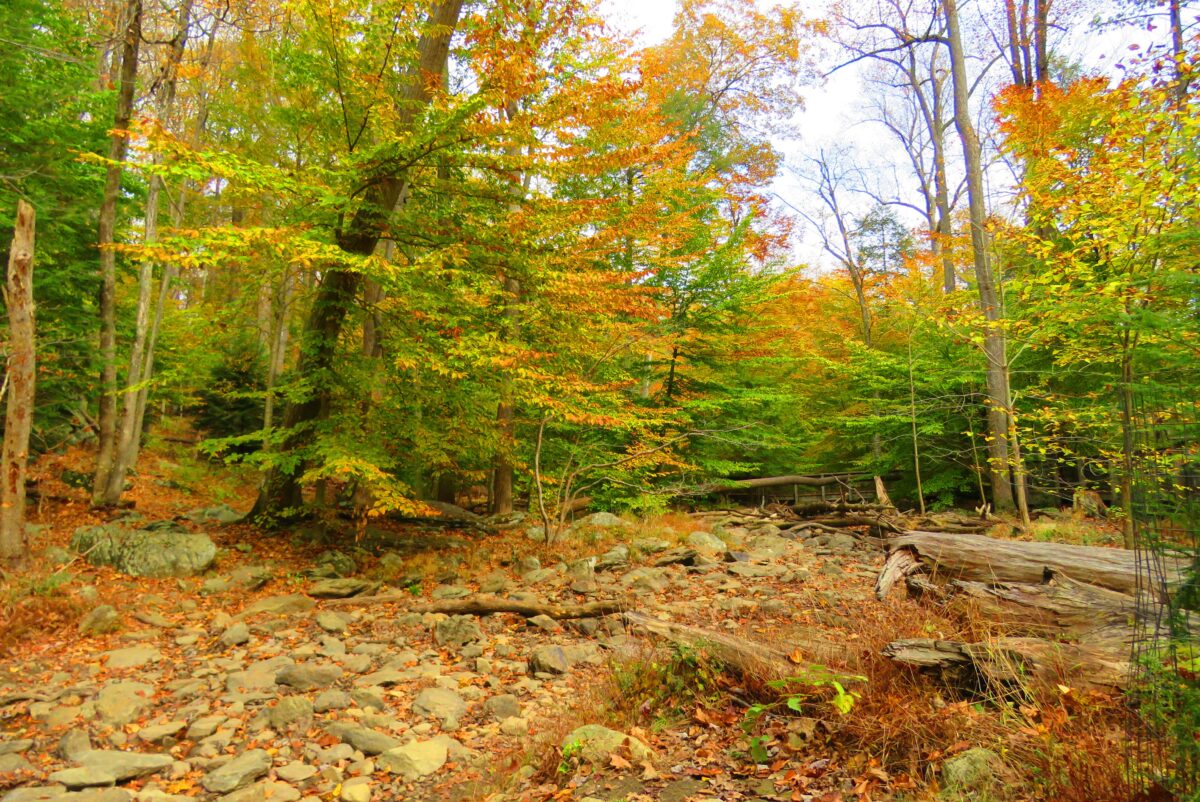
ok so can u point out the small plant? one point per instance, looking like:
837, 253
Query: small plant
797, 692
570, 755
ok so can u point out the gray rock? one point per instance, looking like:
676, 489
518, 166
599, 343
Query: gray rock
132, 657
548, 660
444, 705
124, 765
332, 699
515, 726
840, 543
291, 712
767, 547
221, 513
73, 745
597, 744
651, 545
204, 727
265, 791
236, 634
457, 630
139, 552
100, 621
83, 777
11, 764
446, 592
340, 588
972, 770
647, 580
15, 747
119, 703
238, 773
415, 760
357, 789
337, 563
279, 605
332, 621
309, 676
495, 582
679, 556
503, 706
295, 772
601, 520
364, 739
528, 563
615, 557
368, 698
707, 544
162, 734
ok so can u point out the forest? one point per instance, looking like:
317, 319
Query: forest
484, 399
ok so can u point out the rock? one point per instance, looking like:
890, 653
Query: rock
548, 660
124, 765
447, 592
767, 547
615, 557
291, 712
341, 588
119, 703
308, 676
132, 657
332, 699
444, 705
337, 563
597, 744
544, 623
265, 791
415, 760
528, 563
840, 543
368, 698
364, 739
601, 520
357, 789
972, 770
503, 706
457, 630
680, 556
705, 543
651, 545
221, 513
495, 582
295, 772
15, 747
73, 745
647, 580
237, 773
11, 764
159, 734
139, 552
331, 621
515, 726
100, 621
82, 777
279, 605
236, 634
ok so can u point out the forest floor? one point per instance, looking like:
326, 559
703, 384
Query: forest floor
241, 686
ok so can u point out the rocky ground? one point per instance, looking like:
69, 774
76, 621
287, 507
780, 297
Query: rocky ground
253, 682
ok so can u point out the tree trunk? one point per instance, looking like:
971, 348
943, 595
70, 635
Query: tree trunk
502, 473
336, 295
994, 347
141, 357
118, 147
18, 420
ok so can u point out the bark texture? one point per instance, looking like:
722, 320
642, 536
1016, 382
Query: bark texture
18, 420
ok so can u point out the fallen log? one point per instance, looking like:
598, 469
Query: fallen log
730, 485
1061, 604
486, 605
987, 559
746, 658
1013, 664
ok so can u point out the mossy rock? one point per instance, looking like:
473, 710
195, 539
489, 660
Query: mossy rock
139, 552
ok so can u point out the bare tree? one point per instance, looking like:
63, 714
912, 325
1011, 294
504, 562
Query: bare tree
19, 380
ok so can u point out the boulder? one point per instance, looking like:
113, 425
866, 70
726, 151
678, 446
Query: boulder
415, 760
291, 712
124, 765
548, 660
309, 676
597, 744
601, 520
120, 703
237, 773
973, 770
444, 705
705, 543
457, 630
503, 706
101, 621
140, 552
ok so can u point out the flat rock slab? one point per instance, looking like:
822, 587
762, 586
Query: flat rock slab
340, 588
124, 765
279, 605
132, 657
444, 705
119, 703
237, 773
83, 777
364, 739
309, 676
417, 759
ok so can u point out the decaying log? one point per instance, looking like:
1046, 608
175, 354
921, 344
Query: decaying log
486, 605
780, 481
900, 564
743, 657
1009, 664
1061, 603
842, 521
986, 559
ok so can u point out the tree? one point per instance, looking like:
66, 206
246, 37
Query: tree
19, 379
102, 490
